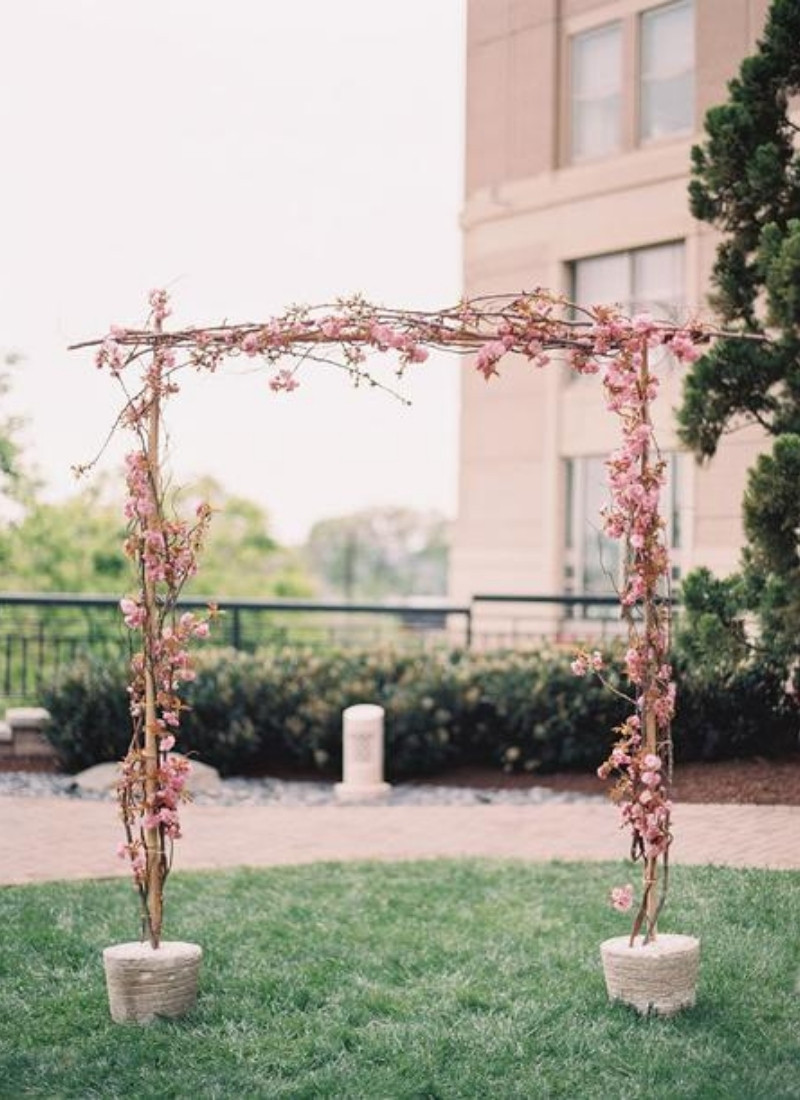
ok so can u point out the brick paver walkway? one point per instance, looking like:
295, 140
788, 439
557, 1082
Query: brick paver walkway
55, 838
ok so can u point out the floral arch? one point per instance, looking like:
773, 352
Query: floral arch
164, 549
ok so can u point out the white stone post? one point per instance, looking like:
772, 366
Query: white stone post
362, 753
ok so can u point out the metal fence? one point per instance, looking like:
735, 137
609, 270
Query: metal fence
41, 634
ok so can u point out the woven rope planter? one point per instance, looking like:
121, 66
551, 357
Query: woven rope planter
143, 983
660, 978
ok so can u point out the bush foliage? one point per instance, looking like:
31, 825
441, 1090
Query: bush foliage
513, 710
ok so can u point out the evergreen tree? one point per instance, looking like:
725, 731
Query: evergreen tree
746, 183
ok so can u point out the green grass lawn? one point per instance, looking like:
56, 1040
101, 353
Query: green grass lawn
384, 981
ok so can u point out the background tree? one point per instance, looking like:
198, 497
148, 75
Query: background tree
76, 546
381, 552
746, 183
17, 484
68, 546
241, 559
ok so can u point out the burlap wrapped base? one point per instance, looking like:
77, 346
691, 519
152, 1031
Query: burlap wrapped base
660, 978
144, 983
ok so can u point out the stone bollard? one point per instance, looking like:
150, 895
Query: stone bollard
362, 754
27, 726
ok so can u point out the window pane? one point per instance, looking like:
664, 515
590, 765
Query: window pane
602, 280
672, 498
658, 280
569, 503
666, 102
601, 555
596, 75
597, 63
595, 129
668, 106
667, 40
592, 559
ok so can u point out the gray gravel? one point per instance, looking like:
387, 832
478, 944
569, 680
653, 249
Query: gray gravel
279, 792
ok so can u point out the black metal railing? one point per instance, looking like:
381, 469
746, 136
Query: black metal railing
42, 633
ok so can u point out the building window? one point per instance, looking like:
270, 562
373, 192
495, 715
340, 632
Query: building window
596, 92
650, 279
666, 71
592, 560
642, 279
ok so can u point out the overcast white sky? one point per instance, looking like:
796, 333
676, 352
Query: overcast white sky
247, 155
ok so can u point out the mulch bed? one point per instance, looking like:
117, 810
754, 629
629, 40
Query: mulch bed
766, 782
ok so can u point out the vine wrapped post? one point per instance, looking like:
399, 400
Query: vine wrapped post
153, 840
164, 549
642, 756
654, 659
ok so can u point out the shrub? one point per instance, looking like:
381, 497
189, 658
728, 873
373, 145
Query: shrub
743, 710
88, 705
513, 710
538, 716
221, 727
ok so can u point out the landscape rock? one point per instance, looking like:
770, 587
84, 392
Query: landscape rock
101, 778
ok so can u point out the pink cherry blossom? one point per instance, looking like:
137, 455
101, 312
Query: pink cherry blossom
250, 344
133, 613
622, 897
283, 381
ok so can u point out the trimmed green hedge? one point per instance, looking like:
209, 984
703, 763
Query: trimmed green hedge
512, 710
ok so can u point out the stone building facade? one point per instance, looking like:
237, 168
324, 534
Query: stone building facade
580, 117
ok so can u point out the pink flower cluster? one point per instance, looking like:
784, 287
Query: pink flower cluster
110, 355
588, 662
283, 381
352, 331
160, 812
159, 304
640, 791
490, 354
622, 897
166, 549
172, 776
384, 338
136, 852
604, 334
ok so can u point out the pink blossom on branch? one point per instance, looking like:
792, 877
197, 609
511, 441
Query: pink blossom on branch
133, 613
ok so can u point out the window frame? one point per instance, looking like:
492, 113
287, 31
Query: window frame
633, 304
631, 136
576, 479
643, 138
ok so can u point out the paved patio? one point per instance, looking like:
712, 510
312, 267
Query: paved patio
45, 839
